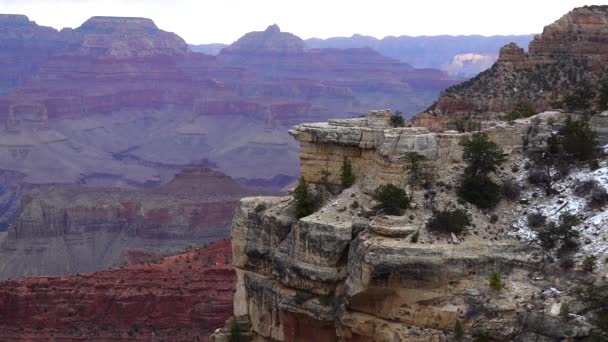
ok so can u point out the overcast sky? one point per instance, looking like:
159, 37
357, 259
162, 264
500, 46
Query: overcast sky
203, 21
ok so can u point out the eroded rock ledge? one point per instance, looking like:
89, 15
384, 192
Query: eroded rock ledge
342, 274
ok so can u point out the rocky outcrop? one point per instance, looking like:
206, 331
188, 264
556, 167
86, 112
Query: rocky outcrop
178, 298
74, 229
348, 273
567, 57
272, 40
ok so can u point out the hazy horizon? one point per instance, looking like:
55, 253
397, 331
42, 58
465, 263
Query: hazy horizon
200, 23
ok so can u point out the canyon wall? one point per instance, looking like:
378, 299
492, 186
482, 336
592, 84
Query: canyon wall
75, 229
178, 298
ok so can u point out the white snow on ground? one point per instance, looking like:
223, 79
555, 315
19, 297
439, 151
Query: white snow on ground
594, 225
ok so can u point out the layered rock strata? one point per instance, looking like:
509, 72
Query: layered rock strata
345, 273
178, 298
120, 102
75, 229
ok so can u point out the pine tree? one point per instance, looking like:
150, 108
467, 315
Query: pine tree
347, 176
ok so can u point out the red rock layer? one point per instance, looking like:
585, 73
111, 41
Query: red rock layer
180, 298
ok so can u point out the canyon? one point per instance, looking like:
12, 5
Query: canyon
69, 229
119, 102
178, 298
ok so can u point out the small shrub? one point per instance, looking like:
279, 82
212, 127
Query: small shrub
511, 190
589, 263
480, 191
458, 331
260, 207
305, 202
536, 220
578, 139
598, 198
347, 177
560, 235
414, 238
538, 178
449, 221
495, 281
397, 120
521, 110
392, 199
493, 218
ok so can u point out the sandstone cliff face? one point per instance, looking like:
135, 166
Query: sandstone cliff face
179, 298
346, 274
72, 229
568, 55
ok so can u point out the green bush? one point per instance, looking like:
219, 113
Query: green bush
260, 207
482, 155
347, 177
589, 263
495, 281
463, 125
305, 202
521, 110
580, 99
480, 191
392, 200
397, 120
561, 235
414, 238
449, 221
578, 139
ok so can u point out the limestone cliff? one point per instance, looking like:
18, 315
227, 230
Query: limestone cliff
567, 58
346, 273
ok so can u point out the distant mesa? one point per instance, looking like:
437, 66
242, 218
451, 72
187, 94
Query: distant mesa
115, 24
271, 40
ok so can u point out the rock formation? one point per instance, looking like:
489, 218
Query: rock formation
120, 102
272, 40
75, 229
178, 298
564, 67
347, 273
